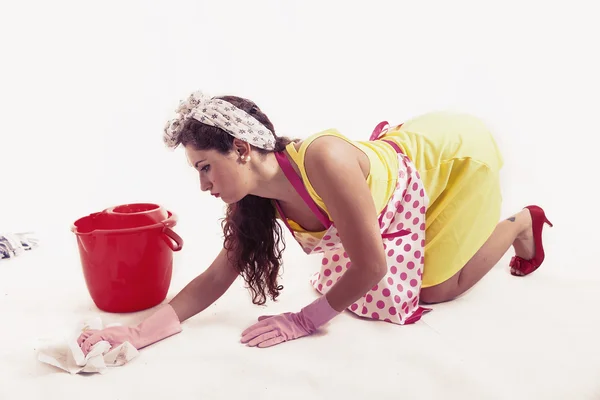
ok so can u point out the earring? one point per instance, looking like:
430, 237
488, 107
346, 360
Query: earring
246, 159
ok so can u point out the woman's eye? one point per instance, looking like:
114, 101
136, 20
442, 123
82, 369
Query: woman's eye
205, 168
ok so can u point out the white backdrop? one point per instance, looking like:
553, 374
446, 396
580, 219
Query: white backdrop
86, 89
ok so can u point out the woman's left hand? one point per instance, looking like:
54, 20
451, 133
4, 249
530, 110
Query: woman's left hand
272, 330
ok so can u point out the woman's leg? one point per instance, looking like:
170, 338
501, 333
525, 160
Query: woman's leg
515, 231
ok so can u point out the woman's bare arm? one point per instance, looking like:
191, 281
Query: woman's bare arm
337, 176
205, 289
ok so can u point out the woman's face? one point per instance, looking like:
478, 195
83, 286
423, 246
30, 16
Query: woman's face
225, 176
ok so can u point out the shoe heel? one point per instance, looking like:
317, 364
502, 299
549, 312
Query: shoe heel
539, 210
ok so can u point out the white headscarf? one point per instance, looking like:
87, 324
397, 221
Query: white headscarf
222, 114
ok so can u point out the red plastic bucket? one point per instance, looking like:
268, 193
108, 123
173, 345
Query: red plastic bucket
126, 268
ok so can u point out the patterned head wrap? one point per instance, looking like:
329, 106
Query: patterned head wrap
221, 114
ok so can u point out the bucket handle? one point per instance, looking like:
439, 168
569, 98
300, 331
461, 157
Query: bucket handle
169, 236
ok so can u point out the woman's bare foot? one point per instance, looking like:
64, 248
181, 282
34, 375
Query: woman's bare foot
524, 244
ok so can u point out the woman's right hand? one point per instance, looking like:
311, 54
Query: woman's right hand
115, 336
160, 325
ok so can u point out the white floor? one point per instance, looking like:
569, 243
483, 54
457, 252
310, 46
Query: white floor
509, 338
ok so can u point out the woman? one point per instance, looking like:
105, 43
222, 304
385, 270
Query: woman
405, 218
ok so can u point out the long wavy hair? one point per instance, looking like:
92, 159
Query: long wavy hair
252, 237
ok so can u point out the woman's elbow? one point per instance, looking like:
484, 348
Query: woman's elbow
379, 273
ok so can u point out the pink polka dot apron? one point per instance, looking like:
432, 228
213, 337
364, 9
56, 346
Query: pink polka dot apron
402, 223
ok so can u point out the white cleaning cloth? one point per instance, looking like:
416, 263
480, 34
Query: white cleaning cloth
67, 355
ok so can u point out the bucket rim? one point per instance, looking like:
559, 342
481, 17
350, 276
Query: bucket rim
170, 222
115, 209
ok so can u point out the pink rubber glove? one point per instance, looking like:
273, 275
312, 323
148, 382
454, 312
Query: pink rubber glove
272, 330
160, 325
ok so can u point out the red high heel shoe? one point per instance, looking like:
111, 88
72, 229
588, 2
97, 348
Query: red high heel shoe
526, 267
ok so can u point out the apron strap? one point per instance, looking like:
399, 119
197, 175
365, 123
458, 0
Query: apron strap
382, 128
295, 180
378, 129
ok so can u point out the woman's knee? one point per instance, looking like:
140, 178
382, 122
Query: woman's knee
431, 295
442, 292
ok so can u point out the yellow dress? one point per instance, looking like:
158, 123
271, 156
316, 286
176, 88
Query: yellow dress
459, 163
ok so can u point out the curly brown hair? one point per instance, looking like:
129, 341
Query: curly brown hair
252, 237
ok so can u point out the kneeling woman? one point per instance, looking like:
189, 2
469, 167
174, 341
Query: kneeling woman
408, 217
